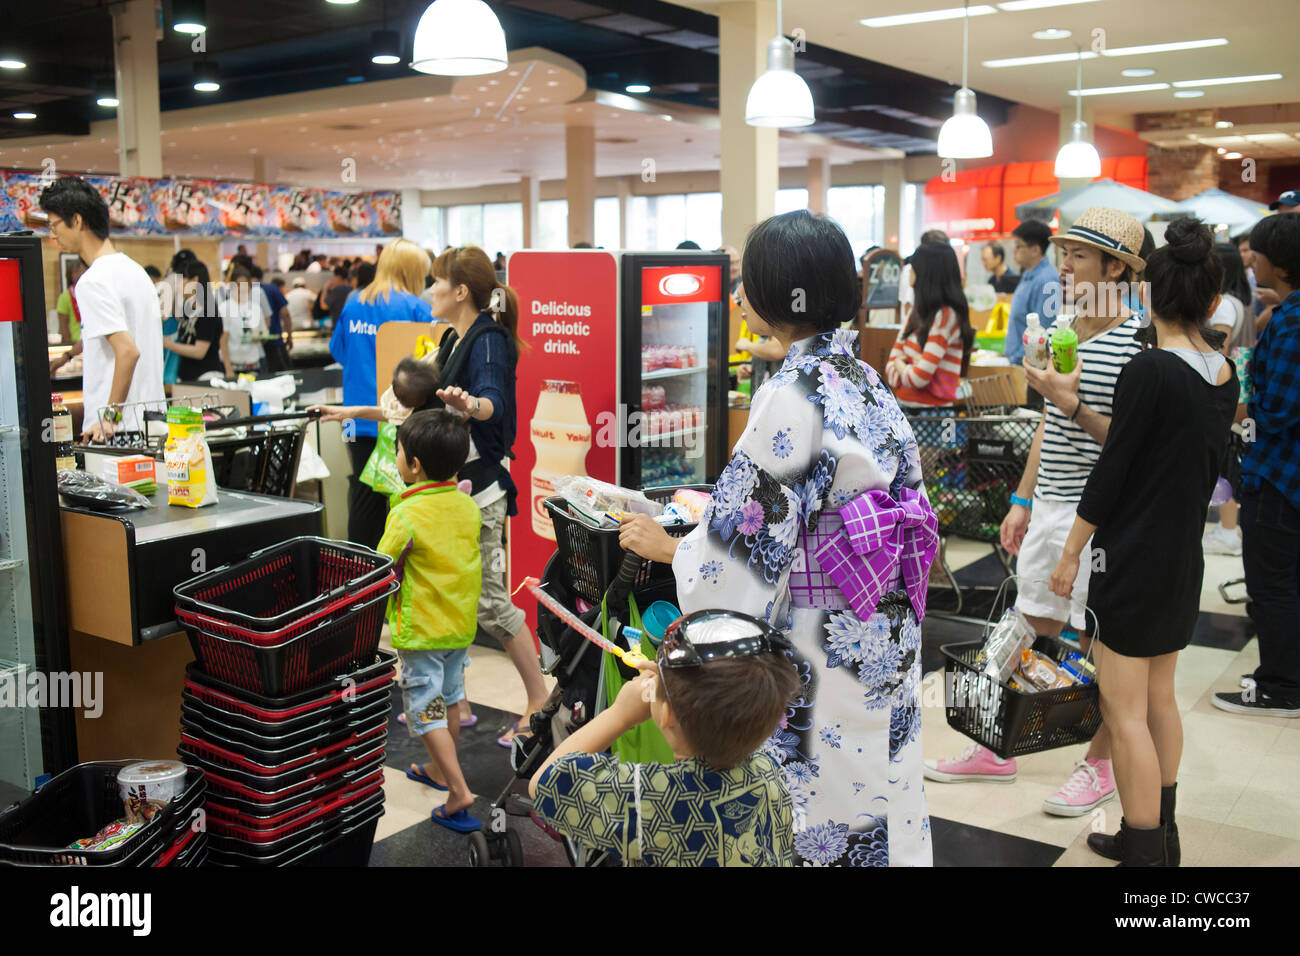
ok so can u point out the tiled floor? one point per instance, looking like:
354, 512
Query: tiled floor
1238, 789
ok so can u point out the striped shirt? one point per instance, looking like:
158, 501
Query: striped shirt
932, 373
1069, 452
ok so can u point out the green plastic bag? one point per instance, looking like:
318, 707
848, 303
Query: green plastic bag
644, 743
381, 471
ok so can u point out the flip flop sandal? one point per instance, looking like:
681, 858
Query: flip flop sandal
460, 821
466, 724
416, 773
507, 741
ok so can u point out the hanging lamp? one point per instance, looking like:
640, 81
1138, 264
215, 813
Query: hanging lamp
459, 38
964, 135
1078, 159
779, 97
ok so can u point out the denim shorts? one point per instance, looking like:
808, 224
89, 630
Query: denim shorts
432, 681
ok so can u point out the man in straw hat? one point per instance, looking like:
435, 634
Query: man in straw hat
1099, 263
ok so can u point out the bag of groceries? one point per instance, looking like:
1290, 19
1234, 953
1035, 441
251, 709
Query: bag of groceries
190, 481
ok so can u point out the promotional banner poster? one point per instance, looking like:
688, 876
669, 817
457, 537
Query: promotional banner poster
567, 391
199, 207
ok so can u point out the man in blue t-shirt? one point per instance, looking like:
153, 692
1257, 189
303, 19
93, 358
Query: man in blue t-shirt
1039, 289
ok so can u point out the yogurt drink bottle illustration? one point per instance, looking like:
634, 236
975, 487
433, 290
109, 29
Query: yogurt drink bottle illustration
561, 435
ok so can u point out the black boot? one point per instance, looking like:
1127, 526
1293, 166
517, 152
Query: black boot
1144, 848
1111, 846
1173, 851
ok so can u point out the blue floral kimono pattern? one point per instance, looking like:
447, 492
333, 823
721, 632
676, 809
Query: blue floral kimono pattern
822, 431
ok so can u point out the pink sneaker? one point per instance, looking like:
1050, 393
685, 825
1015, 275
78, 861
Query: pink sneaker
976, 763
1089, 786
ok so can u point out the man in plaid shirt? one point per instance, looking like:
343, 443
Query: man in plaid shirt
1270, 499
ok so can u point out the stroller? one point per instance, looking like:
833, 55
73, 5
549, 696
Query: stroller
585, 557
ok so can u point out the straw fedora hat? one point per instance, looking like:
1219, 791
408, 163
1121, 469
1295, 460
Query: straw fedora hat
1110, 231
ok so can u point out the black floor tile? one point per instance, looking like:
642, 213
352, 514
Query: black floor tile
959, 844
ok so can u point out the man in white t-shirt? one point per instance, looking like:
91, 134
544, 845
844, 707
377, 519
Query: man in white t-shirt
121, 335
300, 302
244, 312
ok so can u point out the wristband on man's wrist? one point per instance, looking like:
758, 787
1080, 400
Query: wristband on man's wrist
1078, 405
1023, 502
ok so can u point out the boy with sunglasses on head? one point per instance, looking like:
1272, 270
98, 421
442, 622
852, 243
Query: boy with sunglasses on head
719, 689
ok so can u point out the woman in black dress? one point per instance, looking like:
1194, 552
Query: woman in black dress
1144, 506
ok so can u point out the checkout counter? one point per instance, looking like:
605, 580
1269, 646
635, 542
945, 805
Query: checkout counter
121, 568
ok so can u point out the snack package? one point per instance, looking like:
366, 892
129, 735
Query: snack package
190, 481
148, 786
1000, 655
1041, 672
117, 832
1079, 667
593, 500
695, 502
134, 471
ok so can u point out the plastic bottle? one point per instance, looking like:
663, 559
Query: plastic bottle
1065, 345
561, 437
64, 458
1035, 340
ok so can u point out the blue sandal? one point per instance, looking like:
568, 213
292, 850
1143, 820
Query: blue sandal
416, 772
460, 821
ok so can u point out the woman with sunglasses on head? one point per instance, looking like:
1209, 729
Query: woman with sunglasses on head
1143, 507
819, 526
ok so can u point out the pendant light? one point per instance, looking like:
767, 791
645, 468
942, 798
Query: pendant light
459, 38
207, 78
779, 97
189, 16
1078, 159
385, 44
965, 135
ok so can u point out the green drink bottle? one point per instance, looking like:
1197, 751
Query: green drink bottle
1065, 347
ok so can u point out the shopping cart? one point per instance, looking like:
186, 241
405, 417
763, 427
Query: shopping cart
972, 459
588, 561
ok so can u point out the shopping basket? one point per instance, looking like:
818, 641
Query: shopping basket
343, 839
1010, 722
590, 557
78, 803
284, 590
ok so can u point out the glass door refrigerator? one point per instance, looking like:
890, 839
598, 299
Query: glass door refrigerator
34, 739
673, 367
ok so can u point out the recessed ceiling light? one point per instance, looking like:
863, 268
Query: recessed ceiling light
1232, 155
1011, 6
1107, 90
107, 101
1188, 94
1221, 151
928, 16
552, 82
1223, 124
1164, 47
637, 88
12, 63
24, 115
1052, 34
1229, 80
1138, 71
1041, 58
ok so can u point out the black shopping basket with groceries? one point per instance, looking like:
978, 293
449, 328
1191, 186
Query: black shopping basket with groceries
1013, 717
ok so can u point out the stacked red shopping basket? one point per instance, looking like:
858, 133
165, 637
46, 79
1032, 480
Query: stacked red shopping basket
80, 802
286, 706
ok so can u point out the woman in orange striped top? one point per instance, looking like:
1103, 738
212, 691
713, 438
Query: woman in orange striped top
933, 349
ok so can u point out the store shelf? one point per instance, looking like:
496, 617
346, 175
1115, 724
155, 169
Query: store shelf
7, 431
654, 441
10, 565
670, 373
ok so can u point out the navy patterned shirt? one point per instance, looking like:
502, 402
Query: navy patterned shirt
1274, 455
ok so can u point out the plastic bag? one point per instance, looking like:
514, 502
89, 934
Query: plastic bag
593, 499
381, 471
190, 481
1000, 655
92, 491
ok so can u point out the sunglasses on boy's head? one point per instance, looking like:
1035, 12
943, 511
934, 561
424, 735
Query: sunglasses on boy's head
714, 635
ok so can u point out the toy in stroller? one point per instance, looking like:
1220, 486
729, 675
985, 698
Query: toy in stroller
579, 669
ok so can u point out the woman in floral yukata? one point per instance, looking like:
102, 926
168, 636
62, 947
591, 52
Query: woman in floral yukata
824, 433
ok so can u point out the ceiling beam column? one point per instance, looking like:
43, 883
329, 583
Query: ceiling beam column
749, 165
139, 124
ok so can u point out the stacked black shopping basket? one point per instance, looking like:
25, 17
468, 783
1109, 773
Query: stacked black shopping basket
83, 800
286, 706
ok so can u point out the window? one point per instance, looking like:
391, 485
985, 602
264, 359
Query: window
788, 200
432, 227
607, 224
503, 227
910, 217
552, 224
860, 211
464, 225
659, 223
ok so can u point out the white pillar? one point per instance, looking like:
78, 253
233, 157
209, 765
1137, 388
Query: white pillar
529, 196
413, 218
624, 186
893, 183
138, 123
750, 173
580, 180
819, 181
